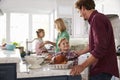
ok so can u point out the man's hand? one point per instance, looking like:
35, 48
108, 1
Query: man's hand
76, 70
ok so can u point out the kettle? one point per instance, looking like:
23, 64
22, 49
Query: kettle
118, 50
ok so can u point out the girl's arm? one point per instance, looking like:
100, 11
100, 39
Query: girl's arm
46, 42
49, 42
83, 51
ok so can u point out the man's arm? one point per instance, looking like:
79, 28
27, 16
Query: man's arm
90, 60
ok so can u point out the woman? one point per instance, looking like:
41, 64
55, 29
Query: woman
61, 28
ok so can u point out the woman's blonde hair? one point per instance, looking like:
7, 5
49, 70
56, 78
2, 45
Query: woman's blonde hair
60, 24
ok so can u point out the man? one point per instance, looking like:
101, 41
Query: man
102, 59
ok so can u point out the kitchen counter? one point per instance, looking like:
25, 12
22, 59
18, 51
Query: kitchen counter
47, 73
10, 53
44, 73
44, 70
28, 74
7, 56
24, 73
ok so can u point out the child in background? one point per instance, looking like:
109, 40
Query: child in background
40, 45
65, 50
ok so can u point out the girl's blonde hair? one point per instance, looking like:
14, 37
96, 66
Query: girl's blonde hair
62, 39
60, 24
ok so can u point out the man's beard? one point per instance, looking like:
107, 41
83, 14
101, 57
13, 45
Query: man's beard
85, 19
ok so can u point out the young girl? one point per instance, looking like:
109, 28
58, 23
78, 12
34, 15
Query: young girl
39, 46
64, 46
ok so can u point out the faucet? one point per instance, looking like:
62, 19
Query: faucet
27, 42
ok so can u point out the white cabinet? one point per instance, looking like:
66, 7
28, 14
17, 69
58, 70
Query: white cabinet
100, 7
65, 12
64, 9
108, 6
112, 7
80, 26
77, 26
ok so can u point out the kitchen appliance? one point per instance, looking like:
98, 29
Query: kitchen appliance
118, 50
115, 21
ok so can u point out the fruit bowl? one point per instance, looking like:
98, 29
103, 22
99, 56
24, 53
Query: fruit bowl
34, 61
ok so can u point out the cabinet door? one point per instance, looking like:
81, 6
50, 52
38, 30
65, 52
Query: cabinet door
80, 26
23, 79
74, 77
47, 78
111, 8
51, 78
8, 71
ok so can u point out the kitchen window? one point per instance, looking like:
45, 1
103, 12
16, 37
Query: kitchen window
40, 21
19, 27
2, 28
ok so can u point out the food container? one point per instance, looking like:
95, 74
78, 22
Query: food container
34, 61
10, 47
61, 66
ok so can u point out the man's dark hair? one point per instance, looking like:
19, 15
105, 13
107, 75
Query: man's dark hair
88, 4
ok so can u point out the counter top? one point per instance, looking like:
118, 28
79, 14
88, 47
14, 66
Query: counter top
22, 69
44, 70
7, 53
7, 56
42, 73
